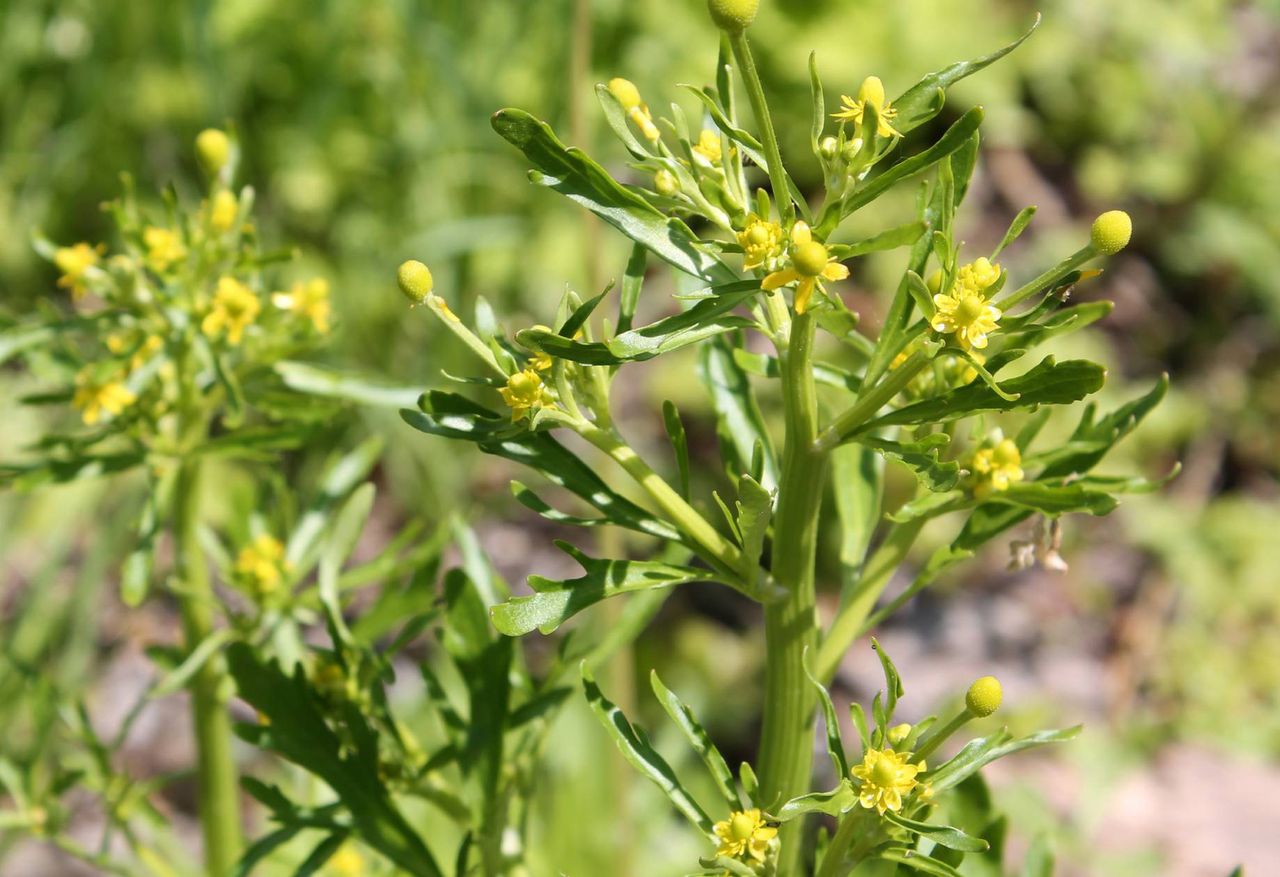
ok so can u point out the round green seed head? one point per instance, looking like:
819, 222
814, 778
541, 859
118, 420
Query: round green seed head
213, 149
733, 15
810, 258
984, 696
1111, 231
415, 281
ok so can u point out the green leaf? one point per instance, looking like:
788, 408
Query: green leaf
755, 509
920, 103
739, 423
455, 417
1054, 499
60, 471
921, 457
1016, 228
319, 381
963, 162
699, 740
819, 117
976, 754
917, 861
705, 319
942, 559
339, 480
177, 678
841, 799
557, 601
571, 173
679, 443
635, 748
943, 835
299, 732
892, 690
889, 239
955, 138
857, 473
1049, 383
632, 281
835, 746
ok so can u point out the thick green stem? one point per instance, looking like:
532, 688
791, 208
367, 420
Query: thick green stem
790, 625
772, 154
857, 604
215, 766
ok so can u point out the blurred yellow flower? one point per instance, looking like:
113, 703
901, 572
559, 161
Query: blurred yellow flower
346, 862
223, 210
164, 248
996, 467
629, 96
73, 262
744, 833
94, 397
261, 564
309, 299
885, 777
234, 308
708, 146
810, 262
871, 93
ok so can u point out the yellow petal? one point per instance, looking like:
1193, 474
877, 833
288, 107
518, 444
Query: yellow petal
804, 292
779, 279
835, 271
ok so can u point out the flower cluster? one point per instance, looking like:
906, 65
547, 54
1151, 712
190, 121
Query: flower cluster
964, 310
809, 263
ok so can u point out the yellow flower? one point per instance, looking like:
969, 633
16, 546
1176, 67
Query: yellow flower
346, 862
74, 262
213, 149
744, 833
261, 564
223, 210
996, 467
93, 397
235, 307
164, 248
810, 262
964, 309
708, 146
629, 96
540, 361
761, 242
871, 92
309, 299
525, 391
885, 778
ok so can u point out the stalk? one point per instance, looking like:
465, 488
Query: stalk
216, 774
786, 746
772, 155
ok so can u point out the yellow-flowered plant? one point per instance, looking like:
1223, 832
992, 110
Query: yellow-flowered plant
964, 311
234, 309
870, 94
745, 835
810, 263
885, 778
261, 565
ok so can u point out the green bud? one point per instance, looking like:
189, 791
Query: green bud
984, 696
666, 183
213, 148
415, 281
1111, 231
733, 16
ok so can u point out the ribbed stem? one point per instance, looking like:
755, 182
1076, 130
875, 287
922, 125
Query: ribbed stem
786, 746
215, 766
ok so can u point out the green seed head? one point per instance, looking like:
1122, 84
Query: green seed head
984, 696
733, 16
213, 148
1111, 231
810, 258
415, 281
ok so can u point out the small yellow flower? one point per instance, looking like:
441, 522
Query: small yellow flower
629, 96
309, 299
744, 833
885, 778
164, 248
996, 467
761, 242
74, 262
524, 392
213, 149
223, 210
964, 310
810, 262
871, 92
540, 361
261, 564
234, 308
708, 146
346, 862
93, 397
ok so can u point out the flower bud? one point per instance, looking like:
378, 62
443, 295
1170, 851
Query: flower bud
213, 148
733, 15
1111, 231
415, 281
828, 147
984, 696
626, 92
898, 733
666, 183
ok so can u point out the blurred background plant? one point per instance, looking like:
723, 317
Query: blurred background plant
366, 129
